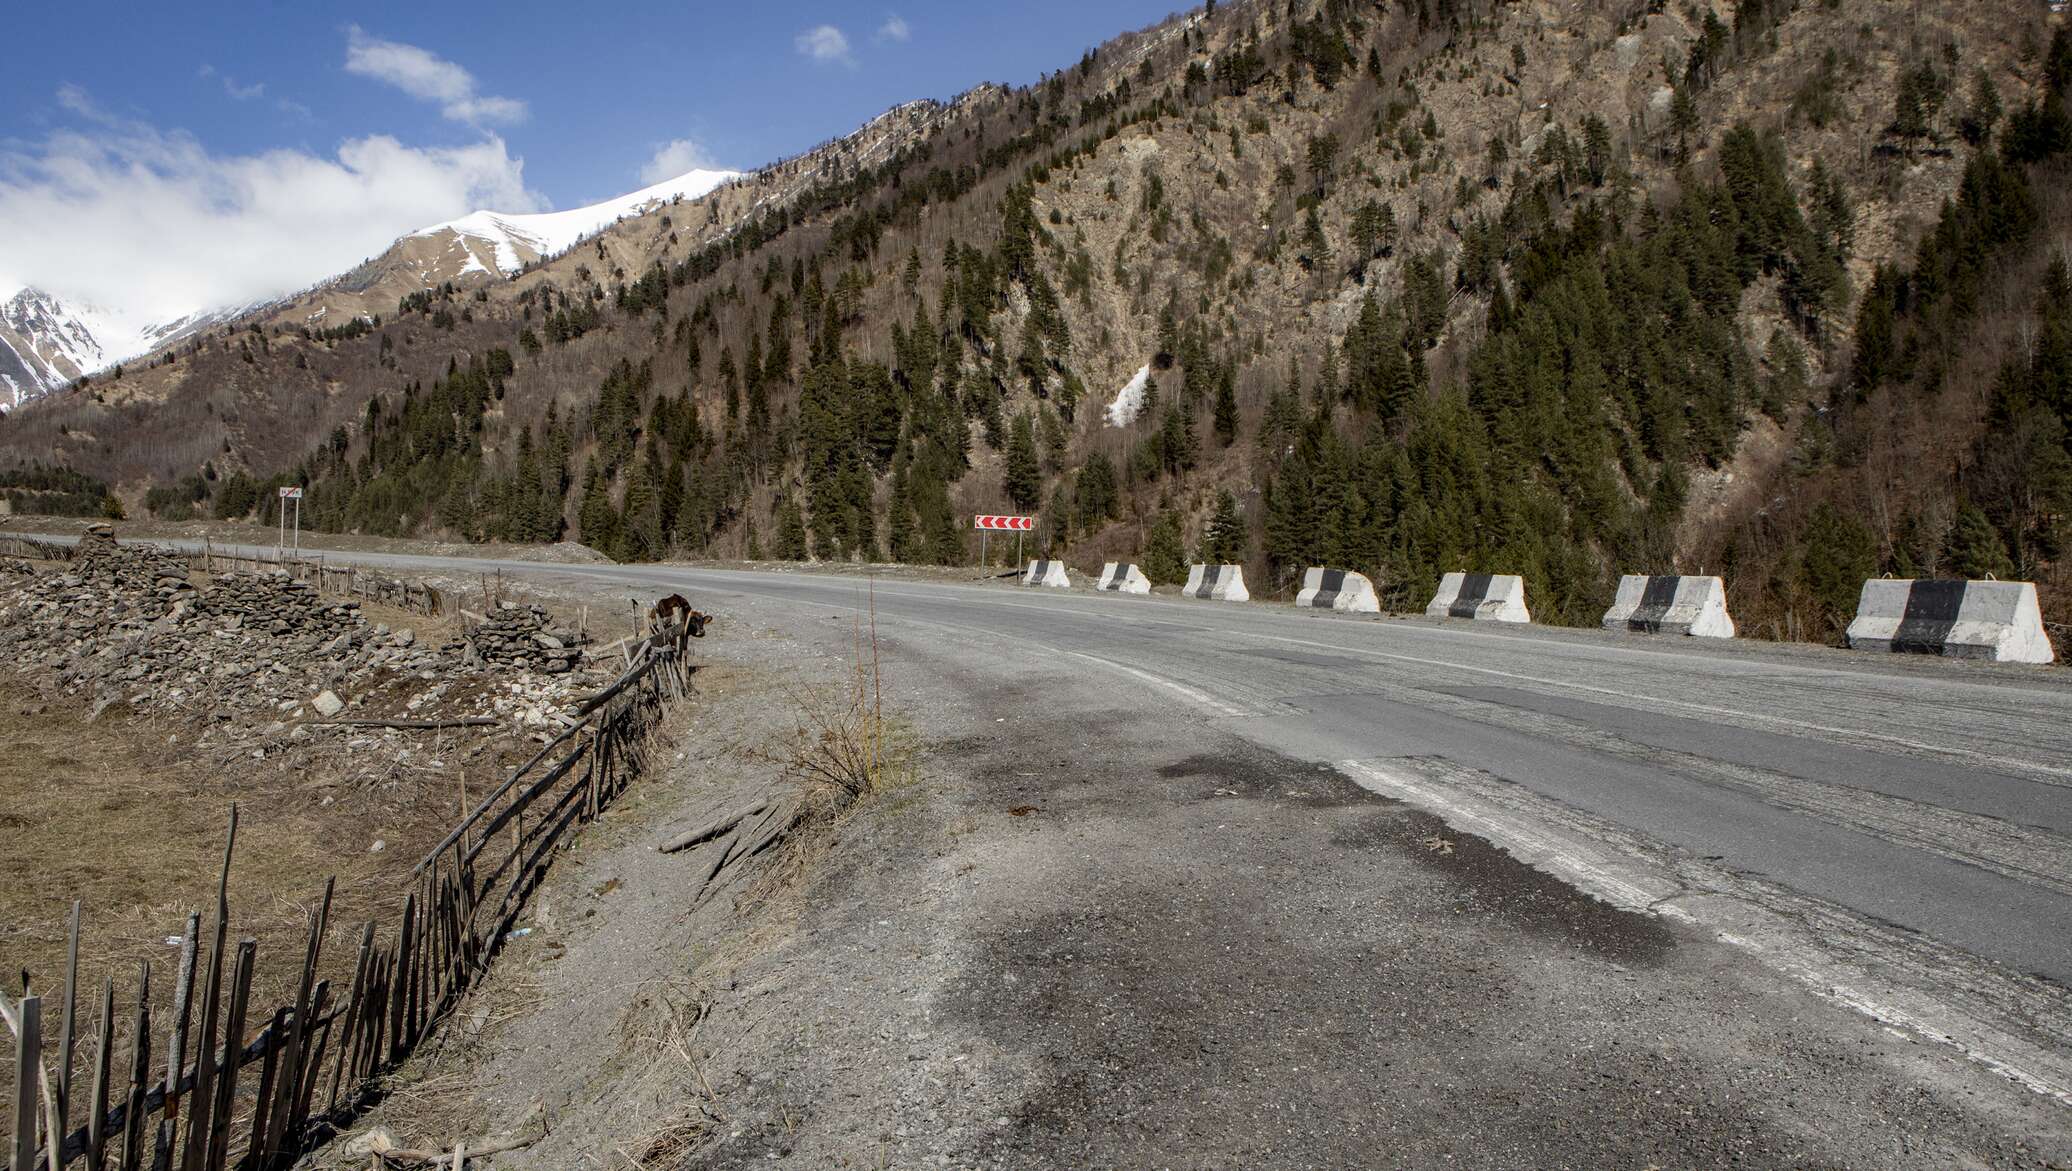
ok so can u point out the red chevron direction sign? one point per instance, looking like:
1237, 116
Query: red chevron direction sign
1016, 524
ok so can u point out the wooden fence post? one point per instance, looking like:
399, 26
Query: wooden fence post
63, 1095
28, 1060
133, 1130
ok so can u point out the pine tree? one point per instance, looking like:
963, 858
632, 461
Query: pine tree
1226, 407
1095, 492
1165, 551
1316, 250
1983, 113
911, 280
1976, 549
901, 533
791, 530
1225, 539
640, 534
1024, 476
598, 522
1836, 555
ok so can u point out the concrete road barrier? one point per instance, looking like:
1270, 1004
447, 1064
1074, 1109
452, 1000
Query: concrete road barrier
1696, 606
1217, 583
1047, 573
1123, 578
1995, 620
1338, 589
1489, 597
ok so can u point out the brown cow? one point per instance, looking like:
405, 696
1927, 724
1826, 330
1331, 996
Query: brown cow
668, 609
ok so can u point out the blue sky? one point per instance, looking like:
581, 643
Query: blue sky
180, 142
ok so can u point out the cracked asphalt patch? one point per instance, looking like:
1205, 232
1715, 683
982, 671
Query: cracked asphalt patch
1296, 973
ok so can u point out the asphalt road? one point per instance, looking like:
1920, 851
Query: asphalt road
1909, 804
1790, 763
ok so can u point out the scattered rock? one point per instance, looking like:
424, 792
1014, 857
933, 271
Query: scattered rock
327, 703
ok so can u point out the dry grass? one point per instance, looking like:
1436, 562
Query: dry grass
844, 747
660, 1029
122, 814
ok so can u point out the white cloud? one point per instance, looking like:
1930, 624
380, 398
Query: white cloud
428, 77
238, 93
895, 29
824, 43
675, 158
151, 224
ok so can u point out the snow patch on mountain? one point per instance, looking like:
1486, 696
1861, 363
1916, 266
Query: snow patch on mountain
516, 239
1129, 401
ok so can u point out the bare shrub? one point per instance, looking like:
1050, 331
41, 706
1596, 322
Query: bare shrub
845, 748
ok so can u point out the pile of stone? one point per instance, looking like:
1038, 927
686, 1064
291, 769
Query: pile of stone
279, 605
15, 567
122, 585
516, 635
123, 623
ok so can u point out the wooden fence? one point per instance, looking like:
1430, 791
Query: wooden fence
33, 549
256, 1102
349, 580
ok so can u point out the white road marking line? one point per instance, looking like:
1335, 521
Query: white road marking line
1201, 697
1586, 868
1633, 885
1650, 701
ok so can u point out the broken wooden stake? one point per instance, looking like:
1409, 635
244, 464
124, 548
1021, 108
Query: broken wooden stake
699, 837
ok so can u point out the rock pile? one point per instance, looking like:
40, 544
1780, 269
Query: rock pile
279, 605
124, 623
16, 567
518, 636
122, 585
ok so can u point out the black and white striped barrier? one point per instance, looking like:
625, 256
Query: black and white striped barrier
1490, 597
1338, 589
1047, 573
1995, 620
1696, 606
1123, 578
1217, 583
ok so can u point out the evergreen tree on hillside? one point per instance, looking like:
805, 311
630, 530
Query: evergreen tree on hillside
1023, 480
791, 531
1165, 550
1224, 541
1226, 407
1095, 492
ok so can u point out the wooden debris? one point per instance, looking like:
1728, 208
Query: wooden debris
706, 833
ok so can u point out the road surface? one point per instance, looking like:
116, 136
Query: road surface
1897, 833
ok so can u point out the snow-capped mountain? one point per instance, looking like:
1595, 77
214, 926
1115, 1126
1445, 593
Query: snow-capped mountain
504, 242
46, 341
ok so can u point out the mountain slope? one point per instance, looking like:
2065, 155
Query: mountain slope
1568, 291
515, 240
47, 341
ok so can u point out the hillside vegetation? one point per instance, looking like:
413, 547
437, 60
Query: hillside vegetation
1775, 290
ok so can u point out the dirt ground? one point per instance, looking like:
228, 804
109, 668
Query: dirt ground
127, 812
1096, 931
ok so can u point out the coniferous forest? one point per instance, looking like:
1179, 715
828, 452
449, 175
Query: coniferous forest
1417, 286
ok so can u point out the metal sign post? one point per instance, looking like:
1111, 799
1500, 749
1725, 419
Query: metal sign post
987, 524
291, 493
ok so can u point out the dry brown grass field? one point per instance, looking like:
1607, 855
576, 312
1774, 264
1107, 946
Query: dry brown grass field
127, 814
